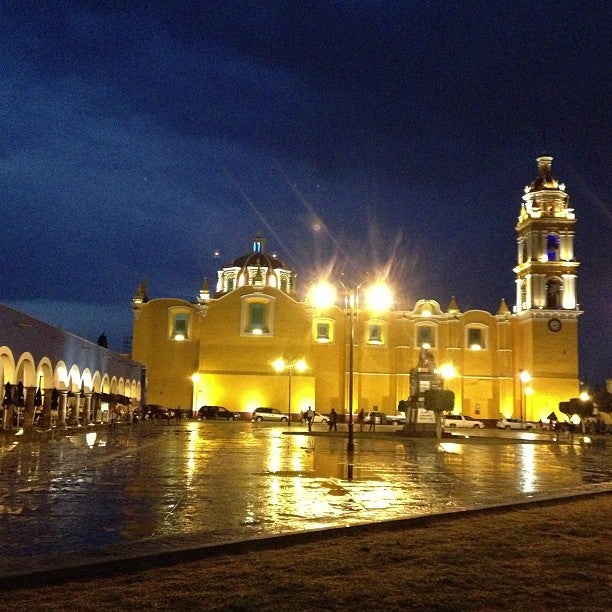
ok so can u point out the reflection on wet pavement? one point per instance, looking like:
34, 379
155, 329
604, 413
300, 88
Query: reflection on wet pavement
216, 482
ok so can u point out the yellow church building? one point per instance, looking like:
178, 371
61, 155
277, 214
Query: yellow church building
225, 349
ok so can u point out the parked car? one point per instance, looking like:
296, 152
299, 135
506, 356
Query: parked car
155, 411
514, 424
268, 414
379, 417
318, 417
217, 412
397, 419
461, 420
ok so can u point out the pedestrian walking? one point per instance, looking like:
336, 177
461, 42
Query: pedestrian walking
333, 420
360, 419
310, 417
372, 422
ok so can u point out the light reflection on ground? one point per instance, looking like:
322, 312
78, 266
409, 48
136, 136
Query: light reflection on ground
225, 481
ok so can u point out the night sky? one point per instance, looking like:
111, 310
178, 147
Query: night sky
139, 138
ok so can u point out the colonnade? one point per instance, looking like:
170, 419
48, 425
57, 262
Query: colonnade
60, 408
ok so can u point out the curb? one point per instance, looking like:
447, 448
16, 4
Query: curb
131, 563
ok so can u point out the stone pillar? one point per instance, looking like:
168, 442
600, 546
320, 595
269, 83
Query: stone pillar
61, 411
6, 417
96, 407
87, 414
28, 410
46, 407
74, 411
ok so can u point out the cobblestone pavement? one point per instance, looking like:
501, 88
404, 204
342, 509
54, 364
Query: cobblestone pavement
162, 486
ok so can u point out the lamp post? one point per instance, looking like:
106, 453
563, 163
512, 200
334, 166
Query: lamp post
378, 299
281, 365
350, 303
524, 377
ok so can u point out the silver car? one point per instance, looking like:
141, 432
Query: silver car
514, 424
461, 420
268, 414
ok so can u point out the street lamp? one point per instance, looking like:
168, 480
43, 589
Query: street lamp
447, 371
378, 298
280, 365
525, 377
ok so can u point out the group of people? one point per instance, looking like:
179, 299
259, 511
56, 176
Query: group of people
309, 416
361, 421
332, 422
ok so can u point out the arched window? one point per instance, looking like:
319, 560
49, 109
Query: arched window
552, 247
523, 287
554, 291
258, 278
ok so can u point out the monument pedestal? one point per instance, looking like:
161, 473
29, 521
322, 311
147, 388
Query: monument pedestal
419, 422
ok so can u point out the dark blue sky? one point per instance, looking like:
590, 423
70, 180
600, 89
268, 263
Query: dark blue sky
140, 137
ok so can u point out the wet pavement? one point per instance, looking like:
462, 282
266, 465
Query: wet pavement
137, 490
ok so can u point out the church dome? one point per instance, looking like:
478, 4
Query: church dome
257, 268
264, 260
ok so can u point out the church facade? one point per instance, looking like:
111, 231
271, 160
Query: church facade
222, 349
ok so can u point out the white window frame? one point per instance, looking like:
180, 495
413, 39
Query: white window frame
330, 323
380, 337
173, 313
245, 322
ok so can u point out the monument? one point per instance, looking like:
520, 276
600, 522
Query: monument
421, 422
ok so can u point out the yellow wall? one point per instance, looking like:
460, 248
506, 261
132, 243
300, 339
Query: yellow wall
236, 369
245, 392
169, 363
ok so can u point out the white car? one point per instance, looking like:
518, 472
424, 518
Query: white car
268, 414
460, 420
379, 417
317, 418
514, 424
397, 419
320, 418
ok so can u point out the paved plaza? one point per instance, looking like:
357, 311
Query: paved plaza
156, 486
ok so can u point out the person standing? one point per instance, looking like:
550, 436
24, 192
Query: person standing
360, 419
333, 420
310, 417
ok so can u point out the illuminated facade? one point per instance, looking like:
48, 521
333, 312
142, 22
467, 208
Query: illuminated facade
220, 350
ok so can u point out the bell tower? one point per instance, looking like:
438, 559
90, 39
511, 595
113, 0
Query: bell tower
546, 311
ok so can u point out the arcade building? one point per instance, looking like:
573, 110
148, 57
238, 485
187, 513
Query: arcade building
242, 347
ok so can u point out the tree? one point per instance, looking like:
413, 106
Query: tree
439, 401
583, 408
